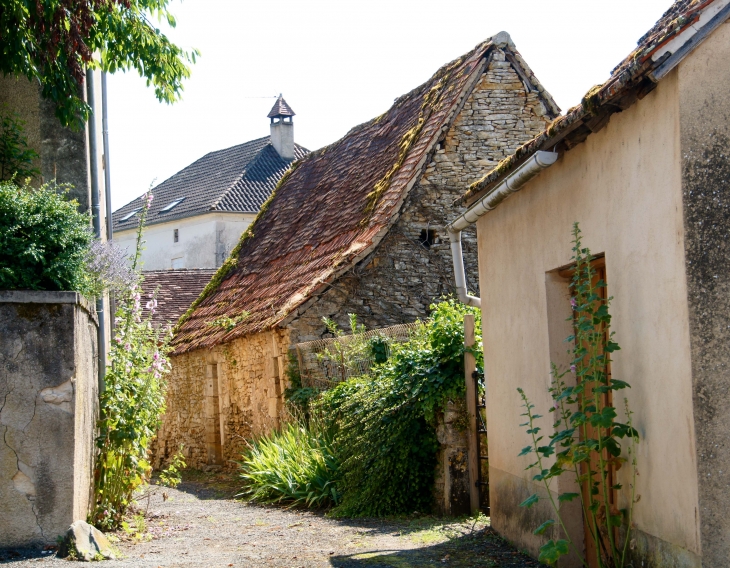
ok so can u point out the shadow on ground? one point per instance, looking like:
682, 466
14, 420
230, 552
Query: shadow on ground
482, 548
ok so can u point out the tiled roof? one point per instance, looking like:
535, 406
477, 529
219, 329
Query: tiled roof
176, 290
333, 208
237, 179
280, 108
631, 80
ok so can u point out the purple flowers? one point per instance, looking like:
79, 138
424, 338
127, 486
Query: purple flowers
572, 369
573, 303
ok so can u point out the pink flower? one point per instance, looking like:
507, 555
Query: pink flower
150, 197
151, 305
127, 347
572, 369
573, 303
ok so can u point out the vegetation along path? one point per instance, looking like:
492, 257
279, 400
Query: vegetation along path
201, 524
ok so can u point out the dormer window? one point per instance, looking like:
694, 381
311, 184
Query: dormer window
129, 215
172, 205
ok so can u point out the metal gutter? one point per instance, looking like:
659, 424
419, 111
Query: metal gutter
509, 185
107, 172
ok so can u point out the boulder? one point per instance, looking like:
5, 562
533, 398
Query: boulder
87, 542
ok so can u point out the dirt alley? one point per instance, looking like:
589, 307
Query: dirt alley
201, 524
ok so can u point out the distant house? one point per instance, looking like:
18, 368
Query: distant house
357, 227
199, 214
174, 291
643, 164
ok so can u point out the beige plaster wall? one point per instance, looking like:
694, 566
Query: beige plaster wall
623, 185
704, 103
251, 381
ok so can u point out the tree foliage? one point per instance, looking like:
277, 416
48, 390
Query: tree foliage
52, 41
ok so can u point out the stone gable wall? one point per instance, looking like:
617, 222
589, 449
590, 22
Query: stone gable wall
399, 281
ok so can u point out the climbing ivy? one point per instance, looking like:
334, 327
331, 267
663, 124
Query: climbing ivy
386, 423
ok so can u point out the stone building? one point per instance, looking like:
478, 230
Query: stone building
199, 214
355, 227
642, 164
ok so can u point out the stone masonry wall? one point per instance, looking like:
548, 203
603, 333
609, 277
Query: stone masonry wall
48, 413
245, 391
412, 266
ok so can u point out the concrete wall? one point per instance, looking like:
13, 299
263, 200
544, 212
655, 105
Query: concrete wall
623, 185
704, 106
49, 393
205, 241
244, 392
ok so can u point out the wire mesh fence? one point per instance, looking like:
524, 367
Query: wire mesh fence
325, 362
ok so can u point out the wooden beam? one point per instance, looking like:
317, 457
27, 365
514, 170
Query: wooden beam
471, 409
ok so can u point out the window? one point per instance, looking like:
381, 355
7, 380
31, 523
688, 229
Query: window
129, 215
178, 263
176, 236
171, 205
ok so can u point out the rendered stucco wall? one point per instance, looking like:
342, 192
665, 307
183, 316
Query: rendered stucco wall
250, 383
704, 106
623, 185
49, 394
205, 241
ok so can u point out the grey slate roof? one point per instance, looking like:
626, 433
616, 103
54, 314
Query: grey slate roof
280, 108
238, 179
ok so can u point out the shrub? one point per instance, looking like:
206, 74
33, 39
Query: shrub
296, 466
386, 424
43, 239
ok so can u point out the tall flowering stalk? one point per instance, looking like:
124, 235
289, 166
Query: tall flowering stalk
587, 439
133, 399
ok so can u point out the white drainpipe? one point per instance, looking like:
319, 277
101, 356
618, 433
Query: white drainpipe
511, 184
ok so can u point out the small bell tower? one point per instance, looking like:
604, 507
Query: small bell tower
282, 128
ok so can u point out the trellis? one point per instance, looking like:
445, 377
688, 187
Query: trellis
318, 367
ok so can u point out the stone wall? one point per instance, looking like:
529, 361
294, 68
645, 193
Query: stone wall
412, 266
49, 394
63, 152
219, 398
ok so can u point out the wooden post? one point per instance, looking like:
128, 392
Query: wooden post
471, 409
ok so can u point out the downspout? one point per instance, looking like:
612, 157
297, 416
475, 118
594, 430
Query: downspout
511, 184
96, 216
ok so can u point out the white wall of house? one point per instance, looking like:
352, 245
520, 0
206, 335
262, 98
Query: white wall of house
204, 241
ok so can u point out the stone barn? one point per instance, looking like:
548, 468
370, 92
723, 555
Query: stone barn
355, 227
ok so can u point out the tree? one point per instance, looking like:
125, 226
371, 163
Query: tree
52, 41
16, 158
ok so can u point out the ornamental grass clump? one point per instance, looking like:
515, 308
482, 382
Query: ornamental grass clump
295, 466
587, 438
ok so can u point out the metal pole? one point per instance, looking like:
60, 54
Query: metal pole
96, 216
107, 171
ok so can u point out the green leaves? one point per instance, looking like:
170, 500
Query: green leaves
552, 550
52, 42
567, 497
543, 527
530, 501
43, 239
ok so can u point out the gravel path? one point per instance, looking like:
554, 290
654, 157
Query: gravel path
200, 524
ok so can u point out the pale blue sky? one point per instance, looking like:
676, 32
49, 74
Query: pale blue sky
339, 64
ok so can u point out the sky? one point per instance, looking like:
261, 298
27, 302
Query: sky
339, 64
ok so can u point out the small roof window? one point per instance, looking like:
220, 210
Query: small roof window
129, 215
171, 205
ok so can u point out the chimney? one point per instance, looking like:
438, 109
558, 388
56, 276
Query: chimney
282, 129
